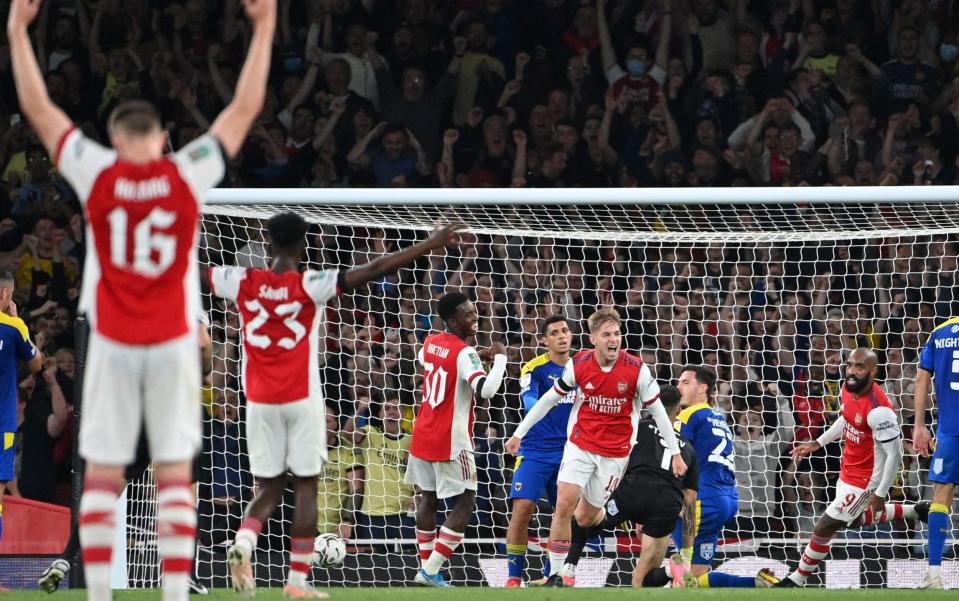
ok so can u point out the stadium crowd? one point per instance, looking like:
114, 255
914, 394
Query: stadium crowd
539, 93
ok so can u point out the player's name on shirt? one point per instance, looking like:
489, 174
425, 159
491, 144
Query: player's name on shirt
946, 342
142, 190
277, 294
440, 351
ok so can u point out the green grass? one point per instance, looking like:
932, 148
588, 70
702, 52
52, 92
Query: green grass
491, 594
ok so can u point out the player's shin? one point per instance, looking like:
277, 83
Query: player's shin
446, 544
938, 532
892, 511
816, 551
304, 527
176, 534
426, 540
558, 550
577, 544
97, 525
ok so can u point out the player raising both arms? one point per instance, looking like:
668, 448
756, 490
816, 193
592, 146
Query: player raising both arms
542, 450
614, 386
649, 495
441, 460
938, 360
140, 290
871, 454
281, 309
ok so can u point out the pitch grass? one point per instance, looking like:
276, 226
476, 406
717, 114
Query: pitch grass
539, 594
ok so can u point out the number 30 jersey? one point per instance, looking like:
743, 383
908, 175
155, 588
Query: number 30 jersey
280, 317
444, 424
710, 435
140, 279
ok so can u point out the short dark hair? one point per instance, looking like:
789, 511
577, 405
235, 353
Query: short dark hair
669, 396
6, 276
550, 321
287, 231
134, 117
450, 303
704, 375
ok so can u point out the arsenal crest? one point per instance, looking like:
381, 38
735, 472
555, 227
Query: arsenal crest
621, 387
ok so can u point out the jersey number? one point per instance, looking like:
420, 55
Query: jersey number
667, 461
147, 242
717, 456
434, 384
955, 370
262, 315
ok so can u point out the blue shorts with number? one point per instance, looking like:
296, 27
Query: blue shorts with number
7, 455
711, 515
944, 468
533, 478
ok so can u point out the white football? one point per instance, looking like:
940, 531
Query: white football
329, 550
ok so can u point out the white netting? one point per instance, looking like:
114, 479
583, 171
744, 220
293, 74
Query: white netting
771, 295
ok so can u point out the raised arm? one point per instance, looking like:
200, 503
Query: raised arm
443, 236
233, 124
605, 40
44, 116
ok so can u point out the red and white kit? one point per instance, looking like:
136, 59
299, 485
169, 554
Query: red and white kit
602, 425
441, 452
141, 293
870, 432
280, 316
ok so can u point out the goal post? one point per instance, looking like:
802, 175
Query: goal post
770, 286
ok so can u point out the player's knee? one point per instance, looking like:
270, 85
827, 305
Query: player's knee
523, 509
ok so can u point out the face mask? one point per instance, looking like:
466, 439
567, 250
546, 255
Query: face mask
636, 68
293, 64
949, 52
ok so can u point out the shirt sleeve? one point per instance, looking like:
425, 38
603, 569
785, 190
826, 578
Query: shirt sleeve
927, 359
647, 389
226, 281
658, 74
691, 478
468, 365
614, 74
201, 164
529, 388
321, 285
80, 161
25, 350
884, 424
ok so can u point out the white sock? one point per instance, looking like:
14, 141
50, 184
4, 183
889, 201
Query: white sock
935, 571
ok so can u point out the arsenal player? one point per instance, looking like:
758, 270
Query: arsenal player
281, 310
140, 290
614, 386
872, 452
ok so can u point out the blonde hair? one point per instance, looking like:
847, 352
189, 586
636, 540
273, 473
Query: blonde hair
600, 317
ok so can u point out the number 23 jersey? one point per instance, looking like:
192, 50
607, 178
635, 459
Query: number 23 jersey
710, 435
280, 316
444, 424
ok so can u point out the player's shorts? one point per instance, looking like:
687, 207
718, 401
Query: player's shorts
286, 437
533, 478
712, 514
8, 453
944, 468
129, 387
655, 509
597, 475
850, 501
445, 478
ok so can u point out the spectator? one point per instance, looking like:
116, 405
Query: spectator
340, 492
45, 417
399, 161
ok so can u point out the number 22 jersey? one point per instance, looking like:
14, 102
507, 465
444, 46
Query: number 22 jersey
280, 316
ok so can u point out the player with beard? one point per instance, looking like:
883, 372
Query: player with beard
872, 452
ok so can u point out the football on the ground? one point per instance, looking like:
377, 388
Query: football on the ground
329, 550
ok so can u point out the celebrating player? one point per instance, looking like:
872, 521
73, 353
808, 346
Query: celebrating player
441, 460
15, 345
281, 310
542, 450
140, 290
614, 386
707, 431
871, 454
937, 360
649, 495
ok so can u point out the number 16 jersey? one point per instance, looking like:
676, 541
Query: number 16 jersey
444, 424
280, 316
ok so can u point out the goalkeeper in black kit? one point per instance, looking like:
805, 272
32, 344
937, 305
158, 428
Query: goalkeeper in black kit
649, 495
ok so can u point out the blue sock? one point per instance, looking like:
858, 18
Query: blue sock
938, 531
546, 568
516, 560
720, 580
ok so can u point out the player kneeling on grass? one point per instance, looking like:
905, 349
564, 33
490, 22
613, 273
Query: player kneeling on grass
441, 463
281, 309
871, 454
649, 495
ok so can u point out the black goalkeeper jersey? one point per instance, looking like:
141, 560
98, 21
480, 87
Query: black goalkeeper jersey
650, 466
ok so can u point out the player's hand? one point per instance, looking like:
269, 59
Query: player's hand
512, 445
260, 11
920, 440
447, 234
877, 503
494, 349
50, 371
804, 449
11, 309
679, 466
22, 13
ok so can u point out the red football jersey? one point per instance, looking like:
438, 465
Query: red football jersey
140, 280
869, 420
607, 409
280, 317
444, 424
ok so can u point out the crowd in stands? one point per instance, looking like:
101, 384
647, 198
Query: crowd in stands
531, 93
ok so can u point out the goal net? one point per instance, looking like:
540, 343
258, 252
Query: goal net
774, 296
